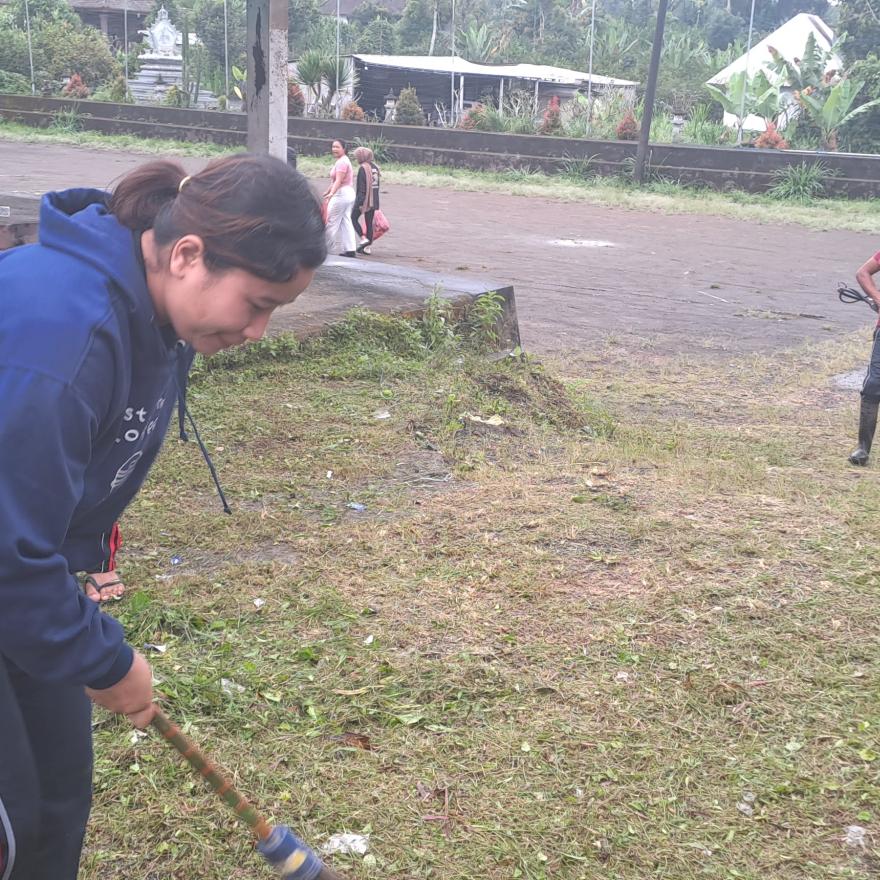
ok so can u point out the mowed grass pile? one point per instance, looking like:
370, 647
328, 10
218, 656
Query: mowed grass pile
628, 628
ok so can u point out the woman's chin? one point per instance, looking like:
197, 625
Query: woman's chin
209, 345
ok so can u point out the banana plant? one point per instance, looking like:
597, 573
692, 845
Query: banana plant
745, 97
833, 110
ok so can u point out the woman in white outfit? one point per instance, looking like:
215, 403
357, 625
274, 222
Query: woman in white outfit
340, 201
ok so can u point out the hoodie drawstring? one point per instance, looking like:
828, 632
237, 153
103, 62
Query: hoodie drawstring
183, 413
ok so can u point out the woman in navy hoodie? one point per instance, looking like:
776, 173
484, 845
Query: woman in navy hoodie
99, 323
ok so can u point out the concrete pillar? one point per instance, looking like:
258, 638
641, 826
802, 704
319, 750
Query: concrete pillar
267, 59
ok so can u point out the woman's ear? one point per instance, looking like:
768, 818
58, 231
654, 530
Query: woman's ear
186, 253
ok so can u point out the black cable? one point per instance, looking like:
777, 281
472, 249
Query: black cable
848, 295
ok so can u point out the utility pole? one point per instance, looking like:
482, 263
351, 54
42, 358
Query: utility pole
267, 74
650, 91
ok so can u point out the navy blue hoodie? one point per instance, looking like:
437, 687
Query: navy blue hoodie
87, 387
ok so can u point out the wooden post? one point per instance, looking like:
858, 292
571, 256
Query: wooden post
267, 75
650, 91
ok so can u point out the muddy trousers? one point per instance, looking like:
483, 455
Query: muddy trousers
45, 776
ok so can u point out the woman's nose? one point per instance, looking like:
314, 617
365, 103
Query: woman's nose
257, 327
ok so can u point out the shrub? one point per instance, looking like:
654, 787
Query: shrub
175, 97
64, 49
380, 146
409, 108
296, 102
115, 92
800, 183
14, 83
76, 88
628, 128
353, 112
771, 139
13, 48
473, 119
551, 122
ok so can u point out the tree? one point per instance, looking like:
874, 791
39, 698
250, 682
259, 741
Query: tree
13, 47
211, 30
310, 74
370, 11
861, 24
478, 44
305, 20
415, 27
617, 48
379, 37
409, 109
42, 11
62, 49
863, 133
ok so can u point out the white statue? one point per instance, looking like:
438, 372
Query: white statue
163, 37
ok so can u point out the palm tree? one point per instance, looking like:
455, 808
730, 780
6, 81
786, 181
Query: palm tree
310, 68
344, 76
478, 43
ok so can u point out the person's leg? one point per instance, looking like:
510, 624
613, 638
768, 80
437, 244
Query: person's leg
367, 240
870, 404
347, 235
19, 790
58, 723
356, 222
331, 228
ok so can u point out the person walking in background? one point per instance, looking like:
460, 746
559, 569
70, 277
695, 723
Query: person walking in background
339, 196
366, 200
871, 386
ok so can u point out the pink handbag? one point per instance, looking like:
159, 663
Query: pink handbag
380, 224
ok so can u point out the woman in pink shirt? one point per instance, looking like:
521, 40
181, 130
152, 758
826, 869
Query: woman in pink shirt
340, 200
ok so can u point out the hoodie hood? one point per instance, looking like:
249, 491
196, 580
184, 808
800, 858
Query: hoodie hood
77, 222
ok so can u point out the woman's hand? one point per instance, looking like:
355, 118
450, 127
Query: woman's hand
132, 695
102, 586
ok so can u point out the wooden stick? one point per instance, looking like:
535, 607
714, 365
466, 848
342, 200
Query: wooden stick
240, 805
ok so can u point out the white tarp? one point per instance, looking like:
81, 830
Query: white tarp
453, 64
789, 40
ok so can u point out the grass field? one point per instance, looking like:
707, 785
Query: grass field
663, 196
627, 629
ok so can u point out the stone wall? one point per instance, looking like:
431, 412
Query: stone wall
852, 175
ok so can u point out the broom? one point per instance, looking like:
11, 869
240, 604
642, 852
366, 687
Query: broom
282, 849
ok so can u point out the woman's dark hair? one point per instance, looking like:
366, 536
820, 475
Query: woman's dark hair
341, 143
252, 212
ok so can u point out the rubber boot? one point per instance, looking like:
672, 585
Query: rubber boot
867, 426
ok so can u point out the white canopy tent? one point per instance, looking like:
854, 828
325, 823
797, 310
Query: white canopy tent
789, 40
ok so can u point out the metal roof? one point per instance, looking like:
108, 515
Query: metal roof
448, 64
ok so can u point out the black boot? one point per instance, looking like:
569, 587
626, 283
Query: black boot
867, 426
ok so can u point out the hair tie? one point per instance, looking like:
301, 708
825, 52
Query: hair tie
183, 183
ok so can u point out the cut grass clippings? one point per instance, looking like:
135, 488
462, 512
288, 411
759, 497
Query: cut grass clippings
626, 628
663, 196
